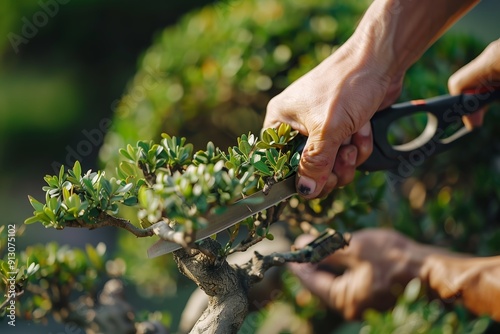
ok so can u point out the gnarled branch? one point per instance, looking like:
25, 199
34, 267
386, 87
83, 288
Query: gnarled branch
227, 285
105, 219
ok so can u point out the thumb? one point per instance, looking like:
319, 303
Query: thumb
483, 70
336, 292
317, 281
316, 164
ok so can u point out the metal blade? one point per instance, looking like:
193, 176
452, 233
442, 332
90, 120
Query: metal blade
233, 214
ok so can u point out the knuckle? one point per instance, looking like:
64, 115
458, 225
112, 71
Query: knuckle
314, 156
494, 47
346, 178
272, 104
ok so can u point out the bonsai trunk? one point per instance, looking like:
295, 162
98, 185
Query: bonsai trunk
227, 285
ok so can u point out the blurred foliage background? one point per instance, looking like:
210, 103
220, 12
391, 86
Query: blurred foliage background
209, 77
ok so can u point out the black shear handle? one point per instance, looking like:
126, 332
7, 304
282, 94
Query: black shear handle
443, 112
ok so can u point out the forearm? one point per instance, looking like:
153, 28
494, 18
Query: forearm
397, 32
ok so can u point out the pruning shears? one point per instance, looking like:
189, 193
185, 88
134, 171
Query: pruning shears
443, 113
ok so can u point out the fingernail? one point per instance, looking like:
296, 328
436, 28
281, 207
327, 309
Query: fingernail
306, 185
365, 130
351, 157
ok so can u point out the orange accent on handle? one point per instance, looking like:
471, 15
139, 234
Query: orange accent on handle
420, 102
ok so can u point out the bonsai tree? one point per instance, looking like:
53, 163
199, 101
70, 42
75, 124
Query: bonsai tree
174, 191
217, 88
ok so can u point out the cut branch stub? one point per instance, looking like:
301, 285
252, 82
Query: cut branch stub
325, 244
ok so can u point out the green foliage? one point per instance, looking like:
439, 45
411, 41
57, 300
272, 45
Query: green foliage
15, 273
49, 275
212, 75
70, 196
189, 191
414, 314
162, 180
175, 184
216, 70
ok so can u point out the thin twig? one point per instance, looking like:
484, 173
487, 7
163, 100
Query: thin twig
272, 216
105, 219
11, 297
324, 245
150, 177
242, 247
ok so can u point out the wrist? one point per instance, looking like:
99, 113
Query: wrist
395, 33
374, 37
424, 257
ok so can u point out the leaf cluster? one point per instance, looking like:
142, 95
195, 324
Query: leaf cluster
167, 180
71, 195
188, 189
52, 275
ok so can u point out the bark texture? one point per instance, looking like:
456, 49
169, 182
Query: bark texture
227, 285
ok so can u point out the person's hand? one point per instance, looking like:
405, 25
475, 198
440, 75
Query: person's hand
332, 105
482, 71
472, 281
376, 267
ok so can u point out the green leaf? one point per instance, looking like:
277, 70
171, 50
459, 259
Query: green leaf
281, 162
53, 204
89, 187
143, 145
52, 180
106, 186
35, 204
65, 194
127, 168
244, 146
295, 160
113, 208
4, 266
32, 268
260, 165
77, 170
61, 173
273, 134
284, 130
130, 201
48, 212
31, 220
120, 173
201, 157
42, 217
143, 196
132, 152
125, 188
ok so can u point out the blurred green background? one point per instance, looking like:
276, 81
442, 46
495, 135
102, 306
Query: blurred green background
64, 80
60, 87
